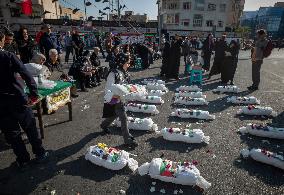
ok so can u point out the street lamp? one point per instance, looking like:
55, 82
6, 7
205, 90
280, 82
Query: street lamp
159, 22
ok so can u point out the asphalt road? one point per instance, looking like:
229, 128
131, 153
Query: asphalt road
219, 162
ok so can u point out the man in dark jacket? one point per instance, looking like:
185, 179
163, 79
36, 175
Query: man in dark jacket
47, 41
15, 111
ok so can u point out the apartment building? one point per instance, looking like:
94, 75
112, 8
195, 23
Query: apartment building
130, 16
199, 16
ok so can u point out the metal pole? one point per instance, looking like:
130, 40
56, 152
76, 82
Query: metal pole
118, 12
159, 23
85, 10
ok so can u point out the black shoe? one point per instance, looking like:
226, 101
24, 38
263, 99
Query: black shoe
232, 83
42, 159
106, 130
74, 95
22, 167
84, 90
252, 88
131, 142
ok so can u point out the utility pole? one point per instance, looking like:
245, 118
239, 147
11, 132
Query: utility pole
159, 23
118, 12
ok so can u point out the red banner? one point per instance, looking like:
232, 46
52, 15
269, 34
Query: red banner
27, 7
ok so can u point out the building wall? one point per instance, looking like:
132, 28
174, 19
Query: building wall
130, 16
200, 15
67, 13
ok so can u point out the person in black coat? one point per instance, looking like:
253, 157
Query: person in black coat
207, 49
220, 47
165, 58
15, 108
47, 41
229, 66
26, 45
175, 54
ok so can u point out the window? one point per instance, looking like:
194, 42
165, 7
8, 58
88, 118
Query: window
173, 6
199, 5
211, 7
15, 12
185, 22
209, 23
222, 7
172, 18
197, 20
187, 5
220, 24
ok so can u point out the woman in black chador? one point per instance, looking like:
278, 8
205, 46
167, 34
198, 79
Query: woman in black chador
207, 49
174, 64
229, 66
165, 58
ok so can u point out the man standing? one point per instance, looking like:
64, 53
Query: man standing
99, 45
78, 43
68, 46
186, 45
47, 41
15, 111
10, 45
257, 58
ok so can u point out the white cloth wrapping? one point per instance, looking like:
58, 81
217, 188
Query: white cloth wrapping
38, 69
124, 92
227, 89
146, 81
156, 86
143, 108
198, 114
156, 93
191, 88
263, 131
123, 160
145, 99
264, 156
185, 135
198, 94
243, 100
145, 124
257, 110
188, 101
44, 83
184, 175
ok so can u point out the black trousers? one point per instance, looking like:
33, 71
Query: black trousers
69, 49
12, 119
206, 59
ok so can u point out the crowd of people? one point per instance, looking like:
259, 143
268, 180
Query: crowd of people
86, 69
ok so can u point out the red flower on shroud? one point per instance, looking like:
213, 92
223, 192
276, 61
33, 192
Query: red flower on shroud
171, 130
250, 107
194, 162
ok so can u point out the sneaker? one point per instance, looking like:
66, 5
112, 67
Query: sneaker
106, 130
252, 88
42, 159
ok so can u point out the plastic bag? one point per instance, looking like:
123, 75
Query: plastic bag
191, 88
243, 100
145, 124
227, 89
198, 114
265, 156
183, 173
263, 131
110, 158
188, 101
185, 135
257, 110
143, 108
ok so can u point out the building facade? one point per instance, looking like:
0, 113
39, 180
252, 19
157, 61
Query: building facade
185, 17
130, 16
67, 13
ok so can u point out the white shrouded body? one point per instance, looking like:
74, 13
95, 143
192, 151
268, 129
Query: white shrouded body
198, 94
243, 100
227, 89
143, 108
156, 93
122, 161
191, 88
257, 110
265, 157
146, 81
156, 86
145, 124
263, 131
186, 135
198, 114
188, 101
183, 175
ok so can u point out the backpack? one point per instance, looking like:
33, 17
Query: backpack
268, 49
